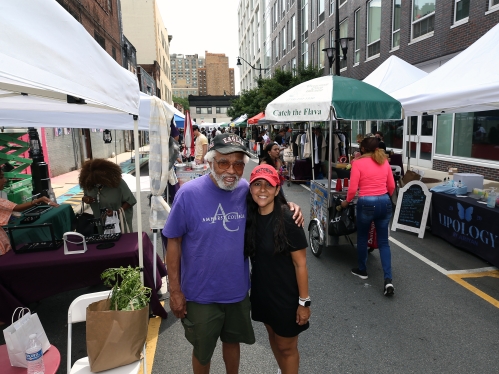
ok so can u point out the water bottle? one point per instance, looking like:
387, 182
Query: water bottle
491, 199
34, 356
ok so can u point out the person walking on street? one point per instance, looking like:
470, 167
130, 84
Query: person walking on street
279, 276
210, 293
201, 145
373, 176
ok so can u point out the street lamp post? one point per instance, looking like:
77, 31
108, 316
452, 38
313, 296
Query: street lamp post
252, 66
333, 53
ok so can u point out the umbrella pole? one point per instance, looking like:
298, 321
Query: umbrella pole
311, 149
329, 172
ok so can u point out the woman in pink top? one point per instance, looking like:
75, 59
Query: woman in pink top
372, 175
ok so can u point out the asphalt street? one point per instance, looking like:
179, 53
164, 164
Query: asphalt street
432, 324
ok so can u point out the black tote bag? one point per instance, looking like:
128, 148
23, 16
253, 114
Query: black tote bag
342, 222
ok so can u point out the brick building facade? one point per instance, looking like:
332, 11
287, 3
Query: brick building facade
216, 78
425, 33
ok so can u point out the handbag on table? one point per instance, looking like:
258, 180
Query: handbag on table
17, 335
85, 222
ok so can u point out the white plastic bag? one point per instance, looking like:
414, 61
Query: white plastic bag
17, 336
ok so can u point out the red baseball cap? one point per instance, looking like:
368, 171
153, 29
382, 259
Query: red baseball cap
266, 172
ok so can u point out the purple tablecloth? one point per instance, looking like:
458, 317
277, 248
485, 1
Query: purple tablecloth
30, 277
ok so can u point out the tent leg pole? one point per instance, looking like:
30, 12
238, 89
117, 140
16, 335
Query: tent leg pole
154, 240
139, 205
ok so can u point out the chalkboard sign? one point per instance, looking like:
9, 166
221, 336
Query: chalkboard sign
413, 205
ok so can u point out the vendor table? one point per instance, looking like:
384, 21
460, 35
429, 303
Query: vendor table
467, 224
30, 277
61, 218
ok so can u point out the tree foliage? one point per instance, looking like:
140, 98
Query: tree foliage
182, 101
254, 101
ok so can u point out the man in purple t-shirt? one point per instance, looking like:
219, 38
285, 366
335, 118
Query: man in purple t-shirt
207, 271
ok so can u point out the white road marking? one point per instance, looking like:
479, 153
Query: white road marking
305, 187
417, 255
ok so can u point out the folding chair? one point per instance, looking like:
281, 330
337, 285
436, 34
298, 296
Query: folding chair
78, 313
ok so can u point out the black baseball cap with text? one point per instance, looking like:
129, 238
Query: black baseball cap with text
228, 143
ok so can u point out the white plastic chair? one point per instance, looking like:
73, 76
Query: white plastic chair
78, 313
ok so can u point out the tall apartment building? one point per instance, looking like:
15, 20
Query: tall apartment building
144, 27
184, 70
425, 33
216, 78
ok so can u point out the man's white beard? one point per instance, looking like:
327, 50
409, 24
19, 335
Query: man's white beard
220, 181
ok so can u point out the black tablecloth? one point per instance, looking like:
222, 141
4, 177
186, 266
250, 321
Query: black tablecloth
467, 224
30, 277
61, 218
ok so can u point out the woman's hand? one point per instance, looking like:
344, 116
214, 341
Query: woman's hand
45, 200
344, 204
87, 199
303, 315
297, 215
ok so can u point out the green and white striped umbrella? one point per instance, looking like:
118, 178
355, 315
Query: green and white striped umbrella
348, 98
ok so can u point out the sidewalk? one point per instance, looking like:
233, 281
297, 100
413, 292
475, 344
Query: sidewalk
68, 191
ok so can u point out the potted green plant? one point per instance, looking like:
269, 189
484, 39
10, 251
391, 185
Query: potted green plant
117, 326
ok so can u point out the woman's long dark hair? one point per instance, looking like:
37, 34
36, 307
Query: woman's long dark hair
266, 156
251, 233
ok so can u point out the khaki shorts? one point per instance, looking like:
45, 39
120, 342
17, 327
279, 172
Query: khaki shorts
205, 323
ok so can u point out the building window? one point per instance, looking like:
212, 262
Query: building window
276, 43
221, 110
99, 39
304, 53
312, 53
320, 11
304, 20
423, 17
396, 23
321, 44
331, 7
293, 32
444, 134
283, 8
343, 34
293, 66
113, 52
373, 27
283, 34
462, 10
493, 4
356, 57
342, 2
393, 132
206, 110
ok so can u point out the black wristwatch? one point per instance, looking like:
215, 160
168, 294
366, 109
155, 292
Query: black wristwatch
304, 302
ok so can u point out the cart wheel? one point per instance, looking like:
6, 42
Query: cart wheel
314, 239
370, 249
289, 184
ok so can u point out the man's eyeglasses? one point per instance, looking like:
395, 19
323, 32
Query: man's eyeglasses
224, 165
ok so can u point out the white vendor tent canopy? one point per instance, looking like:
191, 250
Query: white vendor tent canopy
394, 74
45, 52
47, 55
469, 82
34, 111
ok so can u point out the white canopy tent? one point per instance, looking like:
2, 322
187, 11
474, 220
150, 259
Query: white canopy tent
394, 74
469, 82
47, 55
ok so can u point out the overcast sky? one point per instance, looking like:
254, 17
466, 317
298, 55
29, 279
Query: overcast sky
203, 25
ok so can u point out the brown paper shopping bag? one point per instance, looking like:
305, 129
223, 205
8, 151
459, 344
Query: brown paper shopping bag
114, 338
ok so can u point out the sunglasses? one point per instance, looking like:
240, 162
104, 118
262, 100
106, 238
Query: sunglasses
224, 165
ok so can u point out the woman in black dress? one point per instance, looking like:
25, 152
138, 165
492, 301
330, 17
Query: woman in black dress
279, 277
